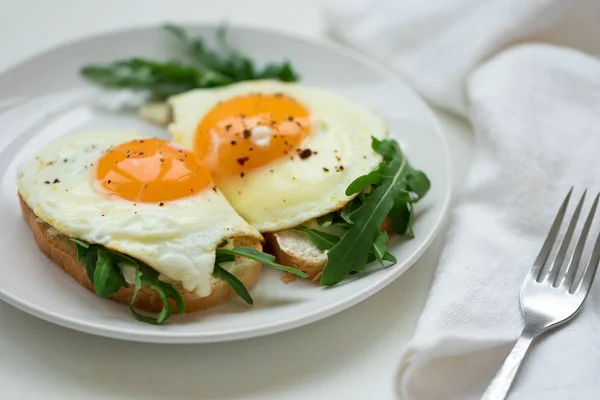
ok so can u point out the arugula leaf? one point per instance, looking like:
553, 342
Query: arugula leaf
82, 248
323, 240
326, 220
204, 68
234, 282
89, 260
143, 318
372, 178
138, 283
102, 267
379, 248
391, 184
264, 258
108, 278
419, 184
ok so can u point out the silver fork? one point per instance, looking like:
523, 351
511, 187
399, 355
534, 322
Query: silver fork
550, 296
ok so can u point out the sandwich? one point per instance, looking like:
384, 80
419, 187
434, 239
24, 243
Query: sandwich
139, 220
312, 171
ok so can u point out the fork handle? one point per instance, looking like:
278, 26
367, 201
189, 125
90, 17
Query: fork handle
500, 385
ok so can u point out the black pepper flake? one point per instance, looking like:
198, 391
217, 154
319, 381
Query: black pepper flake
214, 188
162, 160
141, 153
299, 124
142, 141
285, 142
180, 159
227, 127
271, 171
304, 154
242, 115
65, 160
161, 204
242, 175
50, 163
291, 118
341, 167
56, 180
103, 215
325, 169
180, 151
315, 152
242, 160
365, 157
338, 158
250, 148
109, 181
273, 122
233, 142
46, 182
247, 133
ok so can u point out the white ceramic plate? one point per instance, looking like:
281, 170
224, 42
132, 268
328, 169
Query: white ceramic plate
44, 98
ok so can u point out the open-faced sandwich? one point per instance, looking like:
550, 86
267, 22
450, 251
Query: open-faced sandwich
139, 220
311, 170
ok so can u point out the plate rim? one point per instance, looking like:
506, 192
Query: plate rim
277, 326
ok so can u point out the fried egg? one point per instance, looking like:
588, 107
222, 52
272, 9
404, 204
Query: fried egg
281, 153
145, 197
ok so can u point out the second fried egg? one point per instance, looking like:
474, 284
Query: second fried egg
281, 153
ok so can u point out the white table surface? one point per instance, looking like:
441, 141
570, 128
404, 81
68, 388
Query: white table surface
352, 355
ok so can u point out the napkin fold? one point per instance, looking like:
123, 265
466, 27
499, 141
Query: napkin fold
535, 110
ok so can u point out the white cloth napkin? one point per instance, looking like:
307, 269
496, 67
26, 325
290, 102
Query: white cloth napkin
535, 110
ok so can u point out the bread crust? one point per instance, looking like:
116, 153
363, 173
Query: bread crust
63, 252
313, 268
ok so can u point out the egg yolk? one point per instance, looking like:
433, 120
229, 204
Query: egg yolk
151, 170
249, 131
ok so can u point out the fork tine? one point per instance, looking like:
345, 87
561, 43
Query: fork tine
571, 270
590, 269
549, 242
564, 245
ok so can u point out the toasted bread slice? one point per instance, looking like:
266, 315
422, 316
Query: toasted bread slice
61, 250
292, 248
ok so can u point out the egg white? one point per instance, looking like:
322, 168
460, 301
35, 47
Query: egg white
287, 192
178, 239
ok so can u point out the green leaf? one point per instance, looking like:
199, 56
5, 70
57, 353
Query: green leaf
143, 318
138, 284
203, 68
399, 216
379, 248
349, 208
326, 220
389, 149
372, 178
223, 258
418, 183
352, 251
264, 258
389, 257
234, 282
172, 293
108, 278
80, 243
89, 260
323, 240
